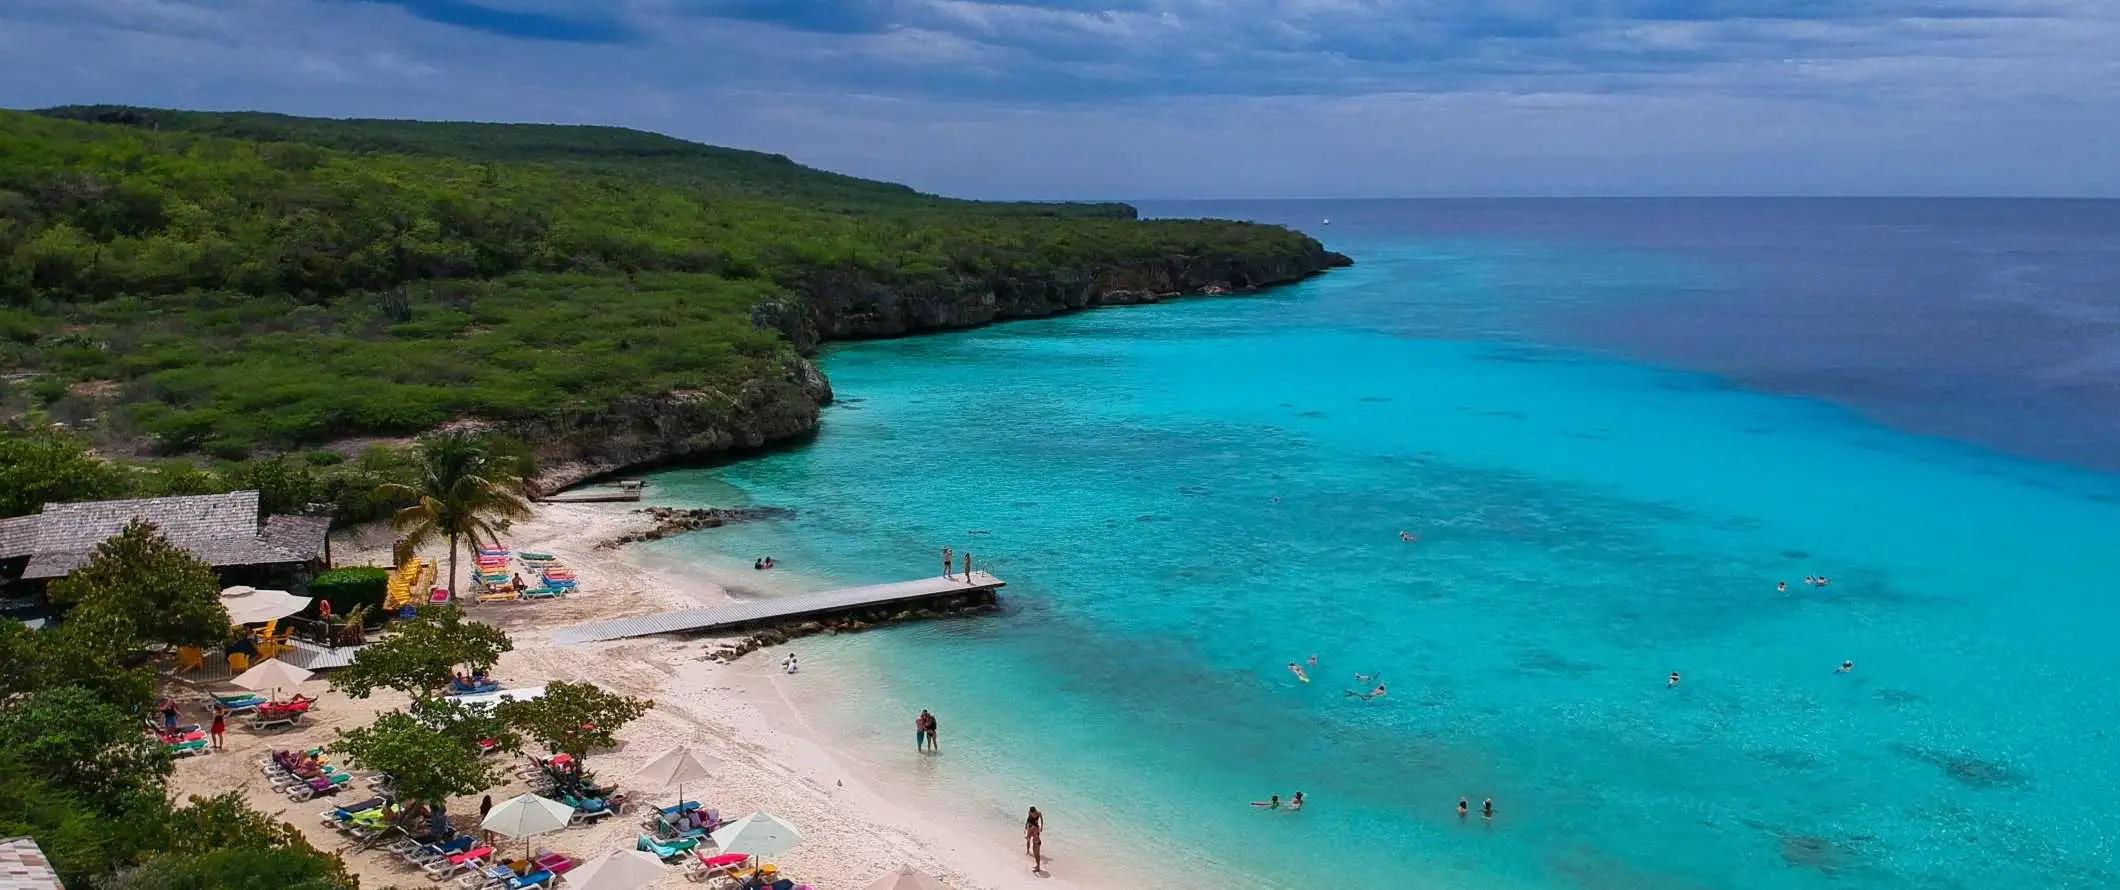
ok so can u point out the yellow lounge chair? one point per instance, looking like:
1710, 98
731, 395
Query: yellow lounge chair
190, 658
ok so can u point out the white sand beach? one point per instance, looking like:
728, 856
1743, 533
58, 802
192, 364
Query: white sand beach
856, 821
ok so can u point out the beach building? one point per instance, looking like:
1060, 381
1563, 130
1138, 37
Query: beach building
224, 530
24, 867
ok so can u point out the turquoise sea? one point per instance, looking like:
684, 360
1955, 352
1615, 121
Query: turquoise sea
1614, 427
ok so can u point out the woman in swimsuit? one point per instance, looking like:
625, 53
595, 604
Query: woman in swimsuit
1296, 803
1034, 838
1464, 807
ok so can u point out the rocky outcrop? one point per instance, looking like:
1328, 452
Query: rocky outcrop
851, 304
673, 520
776, 407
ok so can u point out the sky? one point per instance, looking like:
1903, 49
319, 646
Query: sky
1163, 99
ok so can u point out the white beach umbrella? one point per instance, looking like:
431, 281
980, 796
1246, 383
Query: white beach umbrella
675, 767
904, 878
617, 870
758, 834
272, 674
527, 816
249, 605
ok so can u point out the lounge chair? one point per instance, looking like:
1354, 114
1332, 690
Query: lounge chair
498, 596
702, 867
187, 748
539, 878
543, 593
665, 850
469, 860
429, 852
318, 787
556, 863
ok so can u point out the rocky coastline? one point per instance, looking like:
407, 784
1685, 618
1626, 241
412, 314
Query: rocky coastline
972, 603
829, 305
677, 520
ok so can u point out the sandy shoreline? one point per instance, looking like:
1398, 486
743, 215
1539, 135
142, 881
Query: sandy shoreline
858, 820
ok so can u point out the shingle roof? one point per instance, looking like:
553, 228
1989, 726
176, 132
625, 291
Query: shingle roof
23, 866
221, 529
300, 537
18, 537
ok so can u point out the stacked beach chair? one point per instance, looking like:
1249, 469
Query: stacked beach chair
491, 574
403, 585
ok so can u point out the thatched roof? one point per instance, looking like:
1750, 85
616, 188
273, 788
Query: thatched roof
220, 529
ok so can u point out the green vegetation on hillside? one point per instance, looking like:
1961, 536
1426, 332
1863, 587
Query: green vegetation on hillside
167, 288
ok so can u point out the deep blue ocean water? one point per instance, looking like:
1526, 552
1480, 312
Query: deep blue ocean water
1614, 426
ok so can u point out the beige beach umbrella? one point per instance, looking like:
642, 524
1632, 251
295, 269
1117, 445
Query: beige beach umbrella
527, 816
617, 870
904, 878
272, 674
676, 767
249, 605
758, 834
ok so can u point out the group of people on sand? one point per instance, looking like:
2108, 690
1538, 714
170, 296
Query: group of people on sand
946, 565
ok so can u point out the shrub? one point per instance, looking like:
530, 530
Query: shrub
349, 587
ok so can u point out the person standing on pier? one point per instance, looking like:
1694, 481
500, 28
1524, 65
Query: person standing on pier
946, 563
967, 567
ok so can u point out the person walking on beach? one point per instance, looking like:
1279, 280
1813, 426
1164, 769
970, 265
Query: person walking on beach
220, 726
1034, 839
920, 730
946, 563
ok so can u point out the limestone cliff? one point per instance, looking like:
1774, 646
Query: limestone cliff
829, 305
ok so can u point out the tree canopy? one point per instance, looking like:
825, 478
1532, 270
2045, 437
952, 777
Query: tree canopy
419, 659
426, 761
222, 284
575, 717
138, 587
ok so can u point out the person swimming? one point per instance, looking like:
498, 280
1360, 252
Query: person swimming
1373, 693
1271, 803
1487, 809
1408, 537
1674, 680
1296, 803
1464, 807
1313, 661
1362, 679
1845, 667
1781, 586
1297, 670
1811, 580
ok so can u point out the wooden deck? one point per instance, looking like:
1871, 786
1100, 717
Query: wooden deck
300, 653
738, 616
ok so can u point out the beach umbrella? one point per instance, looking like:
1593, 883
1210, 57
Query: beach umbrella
617, 870
675, 767
904, 878
527, 816
272, 674
249, 605
758, 834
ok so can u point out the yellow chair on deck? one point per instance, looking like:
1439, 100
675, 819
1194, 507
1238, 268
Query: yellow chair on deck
190, 658
238, 662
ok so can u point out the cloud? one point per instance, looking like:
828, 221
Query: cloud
588, 27
1163, 98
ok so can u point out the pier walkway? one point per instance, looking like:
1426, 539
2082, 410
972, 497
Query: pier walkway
738, 616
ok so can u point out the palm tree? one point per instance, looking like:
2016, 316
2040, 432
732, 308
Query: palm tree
463, 489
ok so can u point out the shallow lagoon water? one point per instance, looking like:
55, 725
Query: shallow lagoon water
1186, 497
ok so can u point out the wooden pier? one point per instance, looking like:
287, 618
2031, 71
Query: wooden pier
780, 610
598, 494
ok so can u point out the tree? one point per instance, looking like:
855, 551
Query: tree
461, 492
84, 745
574, 717
141, 588
46, 466
238, 868
425, 762
420, 657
